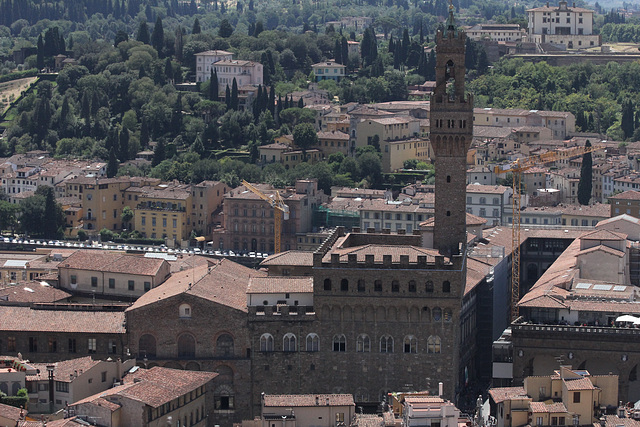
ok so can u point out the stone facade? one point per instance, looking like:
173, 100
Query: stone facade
451, 135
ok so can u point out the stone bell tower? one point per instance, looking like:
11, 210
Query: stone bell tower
451, 134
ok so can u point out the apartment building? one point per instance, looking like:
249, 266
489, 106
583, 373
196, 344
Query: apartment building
329, 70
489, 202
406, 215
249, 223
627, 202
164, 211
112, 274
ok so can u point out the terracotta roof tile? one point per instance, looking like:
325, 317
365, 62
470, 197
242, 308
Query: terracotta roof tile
153, 387
538, 407
224, 282
579, 384
274, 400
627, 195
603, 235
10, 412
112, 262
69, 321
602, 248
500, 394
29, 292
279, 285
290, 258
64, 369
378, 251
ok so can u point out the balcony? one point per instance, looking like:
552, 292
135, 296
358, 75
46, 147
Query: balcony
161, 207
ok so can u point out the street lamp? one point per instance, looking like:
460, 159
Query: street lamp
50, 369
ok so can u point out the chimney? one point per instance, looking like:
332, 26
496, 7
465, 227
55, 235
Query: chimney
440, 388
621, 411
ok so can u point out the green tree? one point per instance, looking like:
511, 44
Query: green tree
627, 122
305, 137
157, 37
112, 164
8, 212
143, 33
159, 153
234, 95
40, 53
586, 177
126, 216
225, 29
196, 27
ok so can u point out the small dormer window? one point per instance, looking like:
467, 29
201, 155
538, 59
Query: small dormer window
185, 311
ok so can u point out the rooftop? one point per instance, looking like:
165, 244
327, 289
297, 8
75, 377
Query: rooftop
272, 400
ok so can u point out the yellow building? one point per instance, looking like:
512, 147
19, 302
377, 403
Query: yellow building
103, 199
394, 153
292, 158
164, 211
569, 397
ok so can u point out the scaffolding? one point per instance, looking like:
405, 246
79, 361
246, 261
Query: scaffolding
329, 218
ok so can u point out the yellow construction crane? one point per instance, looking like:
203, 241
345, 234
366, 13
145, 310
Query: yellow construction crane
517, 167
281, 211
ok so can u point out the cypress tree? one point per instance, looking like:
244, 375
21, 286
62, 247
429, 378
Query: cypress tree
144, 133
124, 145
40, 53
112, 164
337, 52
159, 153
234, 94
157, 38
168, 69
176, 118
627, 123
196, 27
345, 51
586, 177
227, 97
143, 33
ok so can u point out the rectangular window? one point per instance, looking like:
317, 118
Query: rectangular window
113, 347
112, 283
11, 343
576, 397
91, 345
153, 221
164, 222
74, 279
94, 282
175, 223
33, 344
143, 220
103, 376
53, 345
132, 285
72, 345
147, 286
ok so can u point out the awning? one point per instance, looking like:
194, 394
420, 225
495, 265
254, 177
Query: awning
626, 318
200, 239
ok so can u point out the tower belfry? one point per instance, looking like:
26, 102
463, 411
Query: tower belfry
451, 135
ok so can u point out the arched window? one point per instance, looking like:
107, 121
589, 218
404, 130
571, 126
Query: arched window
437, 314
313, 342
395, 286
89, 214
410, 344
223, 398
339, 343
344, 285
224, 345
327, 284
186, 346
361, 285
377, 285
433, 344
412, 285
386, 344
185, 311
447, 315
428, 288
289, 343
266, 342
446, 286
363, 344
147, 346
